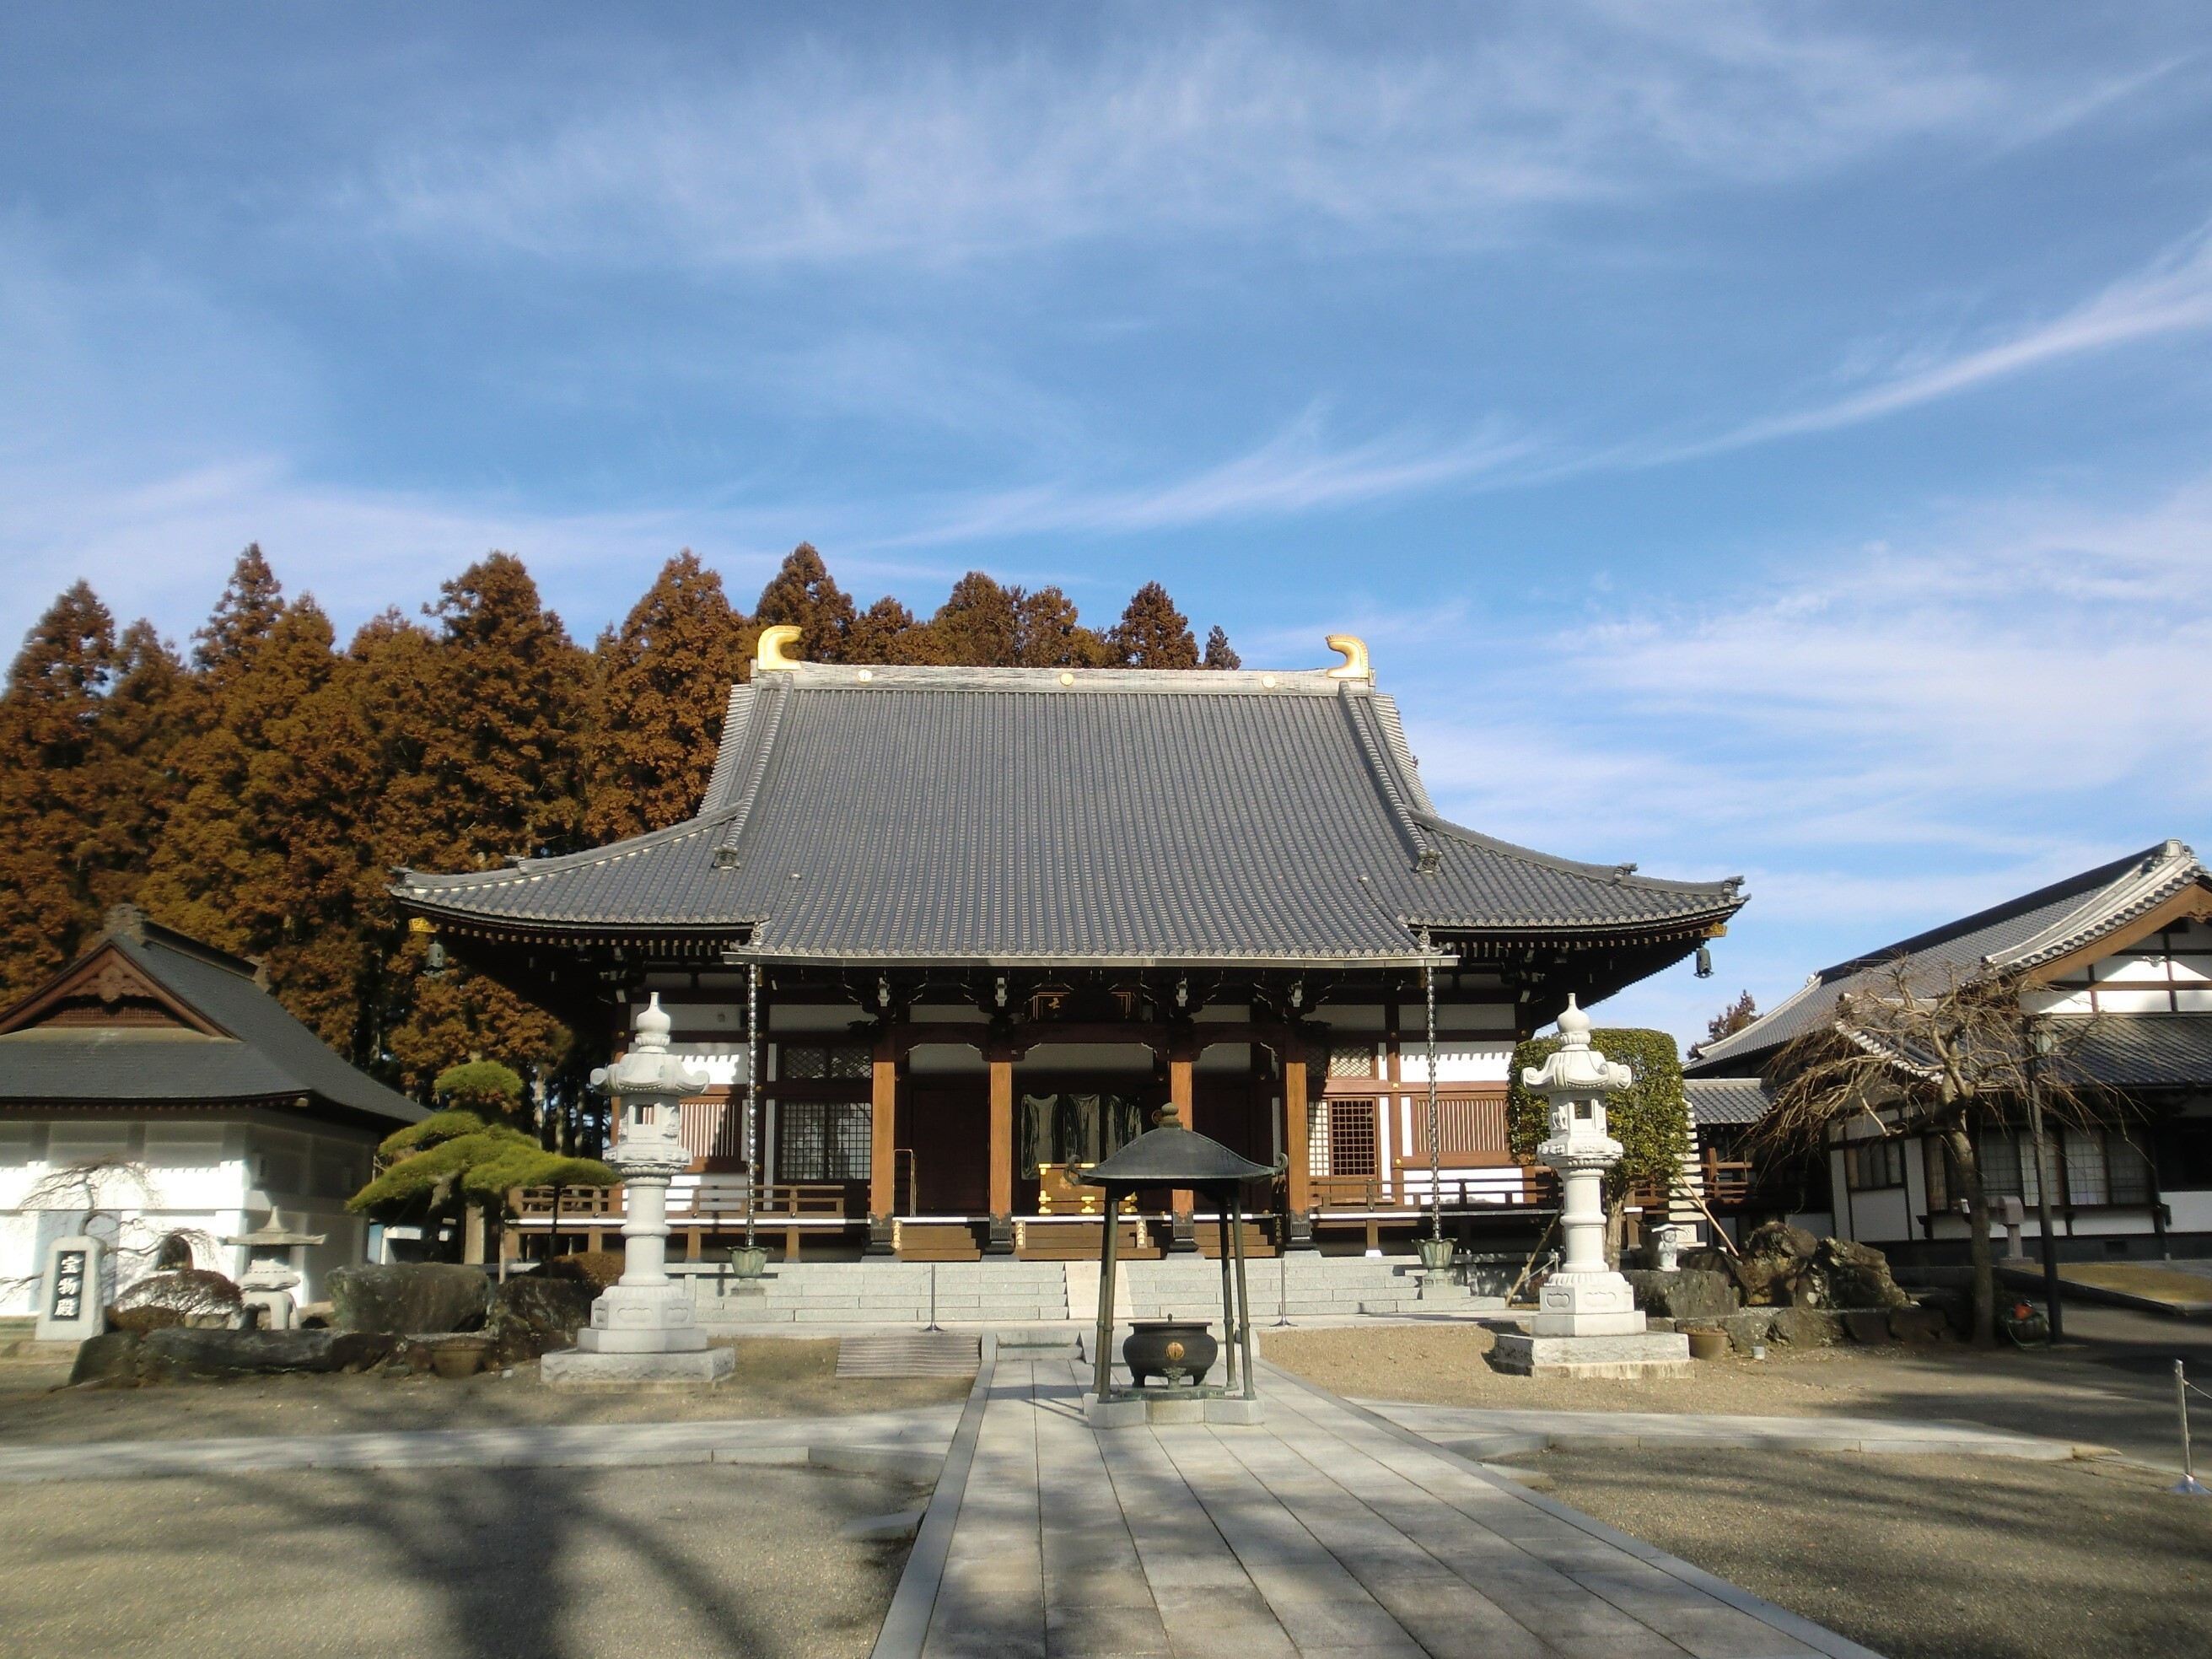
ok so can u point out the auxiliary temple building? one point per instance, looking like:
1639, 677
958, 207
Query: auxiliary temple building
995, 921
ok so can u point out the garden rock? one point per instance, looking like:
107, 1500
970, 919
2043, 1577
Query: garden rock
532, 1315
1806, 1327
1849, 1274
598, 1268
180, 1355
110, 1360
1688, 1293
1911, 1324
408, 1297
1753, 1325
1867, 1325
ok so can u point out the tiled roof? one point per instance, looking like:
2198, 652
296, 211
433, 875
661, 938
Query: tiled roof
1000, 814
2142, 1051
1726, 1099
263, 1052
2023, 932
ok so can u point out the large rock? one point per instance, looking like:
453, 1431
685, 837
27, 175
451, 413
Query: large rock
408, 1298
1805, 1327
110, 1360
182, 1355
1847, 1274
1689, 1293
533, 1314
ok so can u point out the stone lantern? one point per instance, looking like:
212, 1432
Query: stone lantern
644, 1328
1586, 1321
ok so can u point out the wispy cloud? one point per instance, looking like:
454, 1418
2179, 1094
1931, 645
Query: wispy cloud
1450, 133
1297, 471
2172, 296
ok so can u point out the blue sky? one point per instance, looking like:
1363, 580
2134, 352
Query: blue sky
1761, 441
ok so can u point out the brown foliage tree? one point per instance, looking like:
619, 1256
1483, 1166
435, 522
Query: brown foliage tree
1152, 633
1218, 652
264, 852
661, 685
50, 784
1731, 1019
803, 593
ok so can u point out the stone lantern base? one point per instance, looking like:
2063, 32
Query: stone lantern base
696, 1369
1643, 1353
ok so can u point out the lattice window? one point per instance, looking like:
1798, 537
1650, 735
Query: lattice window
1317, 1137
1351, 1139
825, 1140
1351, 1060
817, 1063
2088, 1181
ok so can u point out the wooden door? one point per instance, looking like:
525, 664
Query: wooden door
948, 1125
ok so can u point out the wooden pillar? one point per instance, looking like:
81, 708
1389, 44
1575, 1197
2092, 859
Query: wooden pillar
1298, 1178
1181, 1202
1002, 1153
883, 1141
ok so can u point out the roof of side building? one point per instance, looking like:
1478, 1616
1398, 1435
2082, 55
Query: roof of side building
150, 1016
2022, 933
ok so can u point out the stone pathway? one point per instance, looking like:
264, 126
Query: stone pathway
1484, 1433
1327, 1533
771, 1439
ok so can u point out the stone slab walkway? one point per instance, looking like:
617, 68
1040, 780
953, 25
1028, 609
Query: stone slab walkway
1461, 1425
771, 1439
1326, 1533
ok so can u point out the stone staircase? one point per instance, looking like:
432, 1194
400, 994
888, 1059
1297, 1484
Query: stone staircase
1004, 1293
886, 1292
1305, 1284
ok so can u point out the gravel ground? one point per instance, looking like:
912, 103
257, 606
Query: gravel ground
775, 1377
2114, 1387
672, 1563
1923, 1557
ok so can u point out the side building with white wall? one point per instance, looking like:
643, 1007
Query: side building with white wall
154, 1086
2118, 960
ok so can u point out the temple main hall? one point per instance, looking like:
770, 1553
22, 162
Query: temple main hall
981, 925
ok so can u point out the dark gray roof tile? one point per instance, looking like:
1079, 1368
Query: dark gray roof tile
998, 815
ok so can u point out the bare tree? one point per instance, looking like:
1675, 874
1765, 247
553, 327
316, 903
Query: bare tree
121, 1190
1938, 1054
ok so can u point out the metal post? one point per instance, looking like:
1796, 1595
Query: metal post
2189, 1486
1282, 1282
1102, 1355
752, 1099
1436, 1153
1223, 1206
932, 1295
2039, 1037
1244, 1304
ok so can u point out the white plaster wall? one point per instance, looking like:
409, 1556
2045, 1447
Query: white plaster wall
1459, 1061
2192, 1212
724, 1063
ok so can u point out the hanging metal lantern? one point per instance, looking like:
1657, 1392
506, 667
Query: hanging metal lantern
434, 959
1705, 961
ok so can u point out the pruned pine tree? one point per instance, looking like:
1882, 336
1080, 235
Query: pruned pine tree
1152, 633
660, 684
1910, 1052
